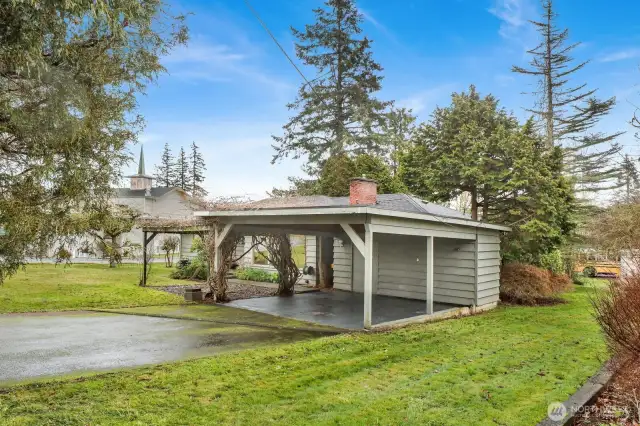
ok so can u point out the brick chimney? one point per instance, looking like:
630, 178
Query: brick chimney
362, 191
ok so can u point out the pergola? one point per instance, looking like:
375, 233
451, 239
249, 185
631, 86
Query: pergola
153, 227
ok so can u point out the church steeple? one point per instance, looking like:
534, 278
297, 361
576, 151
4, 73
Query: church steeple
141, 180
141, 162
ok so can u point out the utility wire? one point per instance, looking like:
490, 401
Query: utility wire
266, 28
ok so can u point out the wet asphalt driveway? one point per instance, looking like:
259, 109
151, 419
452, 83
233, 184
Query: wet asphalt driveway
42, 345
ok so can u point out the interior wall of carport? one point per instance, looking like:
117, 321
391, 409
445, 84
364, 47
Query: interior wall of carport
466, 270
400, 268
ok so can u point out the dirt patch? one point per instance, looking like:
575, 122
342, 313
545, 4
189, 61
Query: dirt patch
619, 404
236, 291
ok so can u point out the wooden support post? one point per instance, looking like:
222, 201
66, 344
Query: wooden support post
216, 257
144, 258
429, 275
368, 275
354, 237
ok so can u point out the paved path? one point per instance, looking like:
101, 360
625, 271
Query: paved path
40, 345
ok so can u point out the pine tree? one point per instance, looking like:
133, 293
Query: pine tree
196, 171
165, 172
569, 112
336, 111
181, 171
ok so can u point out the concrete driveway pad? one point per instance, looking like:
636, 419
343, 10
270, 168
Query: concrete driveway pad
43, 345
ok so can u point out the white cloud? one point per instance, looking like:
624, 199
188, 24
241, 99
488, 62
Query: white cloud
620, 55
208, 61
514, 16
426, 100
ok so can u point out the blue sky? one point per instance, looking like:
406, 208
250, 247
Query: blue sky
228, 89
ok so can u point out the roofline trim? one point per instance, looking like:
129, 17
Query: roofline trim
297, 211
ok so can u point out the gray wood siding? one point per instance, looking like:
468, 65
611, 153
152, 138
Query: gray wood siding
402, 266
454, 271
342, 264
488, 260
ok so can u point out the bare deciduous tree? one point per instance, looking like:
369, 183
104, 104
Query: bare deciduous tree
278, 254
218, 280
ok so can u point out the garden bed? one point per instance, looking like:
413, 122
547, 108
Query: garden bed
619, 403
236, 291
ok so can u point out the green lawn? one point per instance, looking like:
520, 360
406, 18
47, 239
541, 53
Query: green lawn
45, 287
502, 367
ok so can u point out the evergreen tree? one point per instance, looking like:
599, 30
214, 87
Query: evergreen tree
569, 112
336, 112
338, 171
474, 147
449, 155
165, 173
395, 135
70, 73
181, 171
196, 171
629, 180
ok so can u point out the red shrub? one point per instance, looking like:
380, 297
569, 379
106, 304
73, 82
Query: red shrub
617, 311
529, 285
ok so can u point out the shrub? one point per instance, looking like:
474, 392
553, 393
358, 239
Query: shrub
187, 269
252, 274
553, 261
183, 263
529, 285
617, 310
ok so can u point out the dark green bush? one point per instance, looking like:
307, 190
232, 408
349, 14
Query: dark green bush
194, 269
252, 274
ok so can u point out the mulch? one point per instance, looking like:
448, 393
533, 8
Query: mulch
619, 404
235, 291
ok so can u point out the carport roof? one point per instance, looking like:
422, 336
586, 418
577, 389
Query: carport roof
396, 205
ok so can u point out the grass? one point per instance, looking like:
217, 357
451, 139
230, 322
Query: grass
298, 254
502, 367
45, 287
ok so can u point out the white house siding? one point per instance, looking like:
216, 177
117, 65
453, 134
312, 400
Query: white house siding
310, 257
488, 260
310, 249
454, 271
342, 264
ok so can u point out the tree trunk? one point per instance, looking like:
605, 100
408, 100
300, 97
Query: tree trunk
549, 82
474, 204
114, 253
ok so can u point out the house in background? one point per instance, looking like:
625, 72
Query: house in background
150, 202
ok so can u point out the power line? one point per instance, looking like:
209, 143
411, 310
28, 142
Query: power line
266, 28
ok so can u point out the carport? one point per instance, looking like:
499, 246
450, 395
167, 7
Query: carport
393, 246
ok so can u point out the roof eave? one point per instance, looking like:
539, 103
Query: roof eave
297, 211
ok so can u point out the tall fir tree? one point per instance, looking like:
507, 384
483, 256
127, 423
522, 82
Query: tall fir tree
337, 110
165, 172
567, 112
181, 170
196, 171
